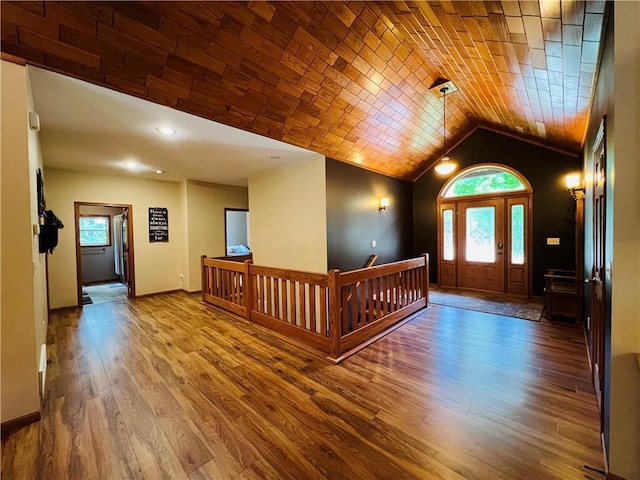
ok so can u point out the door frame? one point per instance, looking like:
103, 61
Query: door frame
505, 196
131, 287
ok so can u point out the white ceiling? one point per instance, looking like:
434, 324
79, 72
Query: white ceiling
91, 129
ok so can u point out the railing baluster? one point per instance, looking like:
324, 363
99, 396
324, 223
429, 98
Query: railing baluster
292, 302
312, 308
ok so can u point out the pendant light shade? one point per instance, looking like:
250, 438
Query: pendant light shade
444, 167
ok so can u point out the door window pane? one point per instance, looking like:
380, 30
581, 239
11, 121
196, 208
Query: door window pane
517, 234
483, 180
447, 234
481, 234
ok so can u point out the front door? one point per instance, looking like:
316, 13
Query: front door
481, 245
484, 231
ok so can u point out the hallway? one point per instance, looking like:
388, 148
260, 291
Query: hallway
167, 387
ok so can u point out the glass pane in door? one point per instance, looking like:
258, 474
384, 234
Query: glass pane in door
517, 234
481, 234
447, 234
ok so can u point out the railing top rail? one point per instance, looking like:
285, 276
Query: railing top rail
355, 276
224, 264
295, 275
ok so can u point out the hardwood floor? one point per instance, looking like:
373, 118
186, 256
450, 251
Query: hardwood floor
164, 387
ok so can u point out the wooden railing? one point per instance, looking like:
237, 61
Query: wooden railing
223, 284
336, 313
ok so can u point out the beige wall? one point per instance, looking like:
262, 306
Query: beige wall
205, 213
624, 441
157, 265
20, 269
41, 319
288, 217
184, 232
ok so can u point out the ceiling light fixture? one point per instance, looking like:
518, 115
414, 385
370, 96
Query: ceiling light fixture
131, 165
444, 167
166, 130
159, 172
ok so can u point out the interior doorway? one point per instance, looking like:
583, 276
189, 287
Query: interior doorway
104, 252
484, 231
236, 231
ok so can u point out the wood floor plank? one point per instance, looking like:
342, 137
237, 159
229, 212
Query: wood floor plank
165, 387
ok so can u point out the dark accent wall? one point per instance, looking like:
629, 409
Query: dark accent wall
353, 219
603, 101
553, 210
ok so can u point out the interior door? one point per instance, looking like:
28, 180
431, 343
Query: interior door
125, 252
481, 245
596, 331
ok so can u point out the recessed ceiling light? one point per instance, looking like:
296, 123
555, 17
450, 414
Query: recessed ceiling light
275, 157
131, 165
167, 130
159, 172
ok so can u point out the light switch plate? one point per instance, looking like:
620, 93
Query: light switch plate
553, 241
373, 243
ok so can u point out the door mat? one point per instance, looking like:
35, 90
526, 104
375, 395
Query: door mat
488, 302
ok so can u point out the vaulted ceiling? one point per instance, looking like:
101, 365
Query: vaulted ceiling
349, 80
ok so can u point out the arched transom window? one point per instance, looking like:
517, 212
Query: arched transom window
484, 180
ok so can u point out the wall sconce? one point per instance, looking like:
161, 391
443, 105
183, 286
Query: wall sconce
574, 185
384, 203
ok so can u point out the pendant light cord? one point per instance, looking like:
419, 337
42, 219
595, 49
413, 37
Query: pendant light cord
444, 119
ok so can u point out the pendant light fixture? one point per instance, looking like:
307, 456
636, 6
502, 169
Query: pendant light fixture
444, 167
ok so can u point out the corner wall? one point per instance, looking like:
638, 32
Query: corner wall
288, 217
206, 223
21, 307
354, 219
624, 427
157, 265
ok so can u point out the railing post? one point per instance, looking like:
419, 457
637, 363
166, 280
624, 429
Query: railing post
247, 289
203, 276
425, 279
335, 330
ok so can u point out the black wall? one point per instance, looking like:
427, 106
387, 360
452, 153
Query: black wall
553, 210
353, 219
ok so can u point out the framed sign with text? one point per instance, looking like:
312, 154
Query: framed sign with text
158, 224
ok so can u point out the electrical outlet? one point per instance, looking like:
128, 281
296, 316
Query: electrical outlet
182, 276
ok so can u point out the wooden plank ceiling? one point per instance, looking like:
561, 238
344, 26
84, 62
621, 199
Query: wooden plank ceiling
349, 80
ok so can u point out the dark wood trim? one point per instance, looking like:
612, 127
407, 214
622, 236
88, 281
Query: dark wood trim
527, 140
611, 476
131, 262
7, 427
13, 59
164, 292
